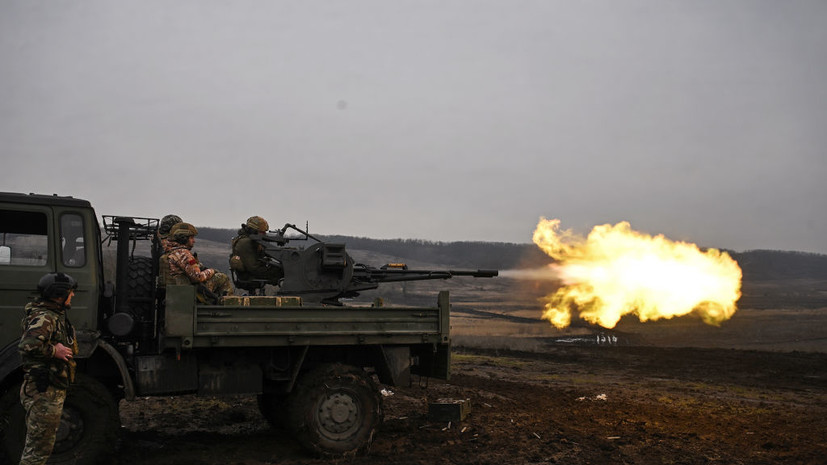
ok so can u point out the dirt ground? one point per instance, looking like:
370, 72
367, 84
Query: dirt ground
753, 391
567, 405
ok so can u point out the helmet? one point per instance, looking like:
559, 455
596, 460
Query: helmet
55, 285
182, 231
167, 223
258, 223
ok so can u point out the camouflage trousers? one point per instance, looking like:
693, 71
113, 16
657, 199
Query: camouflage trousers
219, 284
43, 411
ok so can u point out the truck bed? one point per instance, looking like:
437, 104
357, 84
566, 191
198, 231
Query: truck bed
190, 326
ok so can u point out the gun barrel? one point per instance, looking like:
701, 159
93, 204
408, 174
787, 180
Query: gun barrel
475, 274
386, 275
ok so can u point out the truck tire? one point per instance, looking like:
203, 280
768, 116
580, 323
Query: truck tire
335, 410
88, 428
140, 286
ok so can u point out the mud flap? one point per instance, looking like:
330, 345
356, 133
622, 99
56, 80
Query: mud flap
396, 371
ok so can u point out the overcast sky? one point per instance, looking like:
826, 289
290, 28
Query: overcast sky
704, 120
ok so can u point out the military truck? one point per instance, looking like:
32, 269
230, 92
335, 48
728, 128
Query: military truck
312, 365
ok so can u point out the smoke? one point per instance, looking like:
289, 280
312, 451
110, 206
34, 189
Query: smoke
547, 273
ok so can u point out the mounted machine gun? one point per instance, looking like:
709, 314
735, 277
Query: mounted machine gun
325, 272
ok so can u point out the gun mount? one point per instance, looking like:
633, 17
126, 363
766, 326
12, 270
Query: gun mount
325, 272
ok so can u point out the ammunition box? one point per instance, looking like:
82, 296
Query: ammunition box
262, 301
454, 410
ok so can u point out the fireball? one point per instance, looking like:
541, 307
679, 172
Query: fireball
616, 271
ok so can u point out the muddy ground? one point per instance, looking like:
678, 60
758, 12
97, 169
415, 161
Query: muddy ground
567, 405
752, 391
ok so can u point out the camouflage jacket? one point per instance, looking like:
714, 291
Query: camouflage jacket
166, 243
44, 326
163, 260
184, 268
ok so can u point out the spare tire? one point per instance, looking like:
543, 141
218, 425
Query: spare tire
139, 299
140, 286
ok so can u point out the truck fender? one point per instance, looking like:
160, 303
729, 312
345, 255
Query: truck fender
128, 385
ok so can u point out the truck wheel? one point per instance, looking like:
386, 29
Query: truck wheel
88, 428
335, 410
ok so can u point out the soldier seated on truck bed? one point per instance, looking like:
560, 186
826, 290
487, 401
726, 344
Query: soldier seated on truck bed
185, 269
166, 243
164, 228
248, 261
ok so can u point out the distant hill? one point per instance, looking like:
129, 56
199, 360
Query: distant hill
757, 265
771, 265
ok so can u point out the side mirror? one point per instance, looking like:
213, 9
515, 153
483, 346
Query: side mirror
5, 255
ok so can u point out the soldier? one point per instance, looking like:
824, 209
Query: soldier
248, 259
164, 227
47, 349
185, 269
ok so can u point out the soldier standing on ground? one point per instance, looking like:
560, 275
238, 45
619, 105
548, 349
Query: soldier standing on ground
47, 348
185, 269
248, 259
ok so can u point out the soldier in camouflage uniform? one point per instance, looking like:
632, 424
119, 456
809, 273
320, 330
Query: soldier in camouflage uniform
247, 259
185, 269
164, 227
47, 349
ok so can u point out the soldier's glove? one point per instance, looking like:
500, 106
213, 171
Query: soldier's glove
41, 379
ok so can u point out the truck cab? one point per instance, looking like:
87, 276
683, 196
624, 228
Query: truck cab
40, 234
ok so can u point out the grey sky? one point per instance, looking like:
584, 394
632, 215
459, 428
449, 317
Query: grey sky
704, 120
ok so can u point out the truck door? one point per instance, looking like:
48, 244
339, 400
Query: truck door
77, 251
